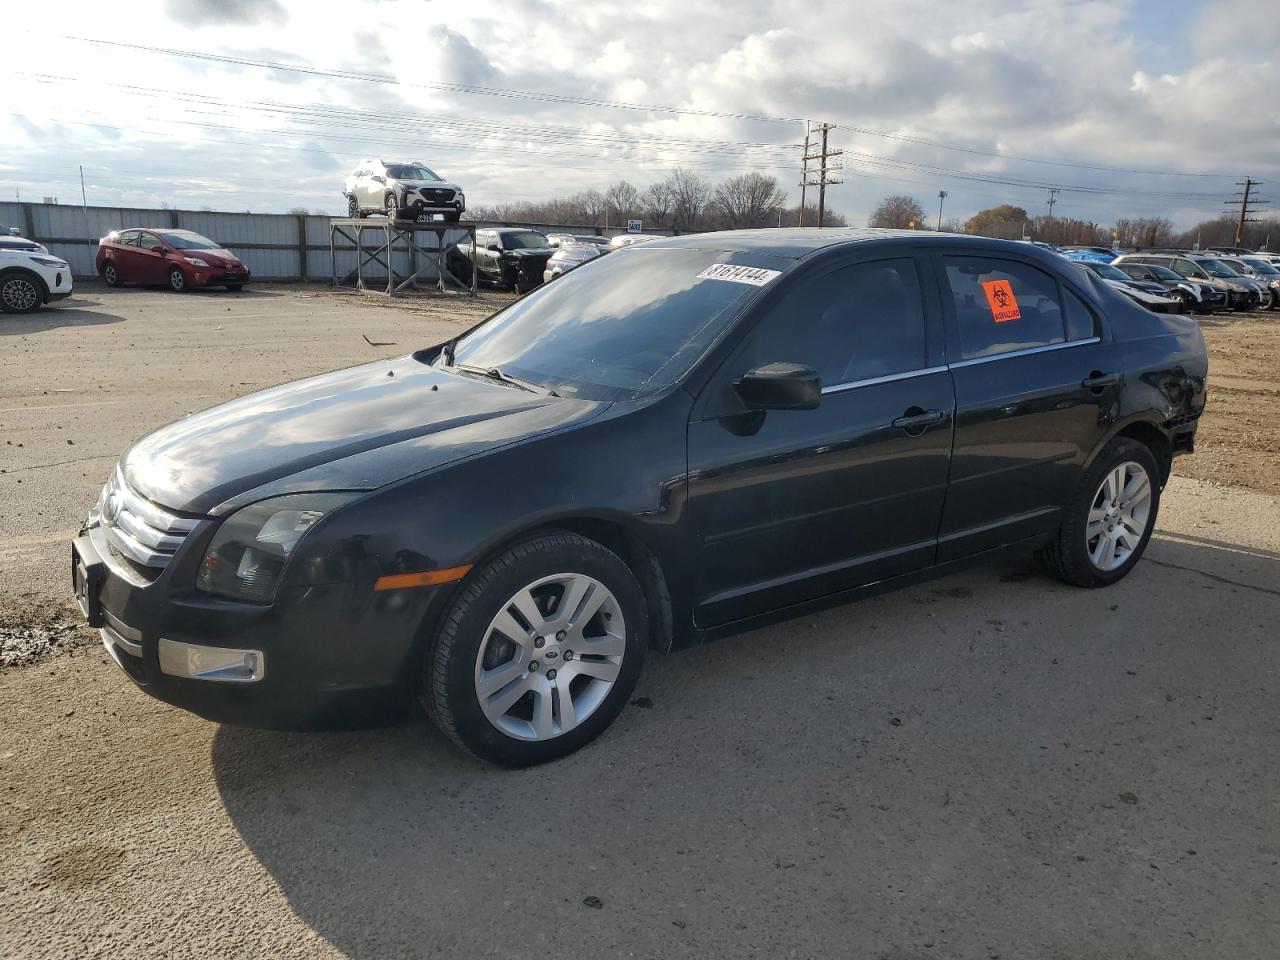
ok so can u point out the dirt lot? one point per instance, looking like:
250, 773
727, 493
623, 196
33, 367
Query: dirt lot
992, 765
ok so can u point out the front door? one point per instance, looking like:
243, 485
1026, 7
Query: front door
153, 259
1035, 379
791, 505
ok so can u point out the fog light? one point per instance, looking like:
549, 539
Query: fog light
219, 664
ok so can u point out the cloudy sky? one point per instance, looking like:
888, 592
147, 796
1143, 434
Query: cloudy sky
1130, 107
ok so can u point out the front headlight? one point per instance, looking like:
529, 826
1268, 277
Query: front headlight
247, 556
196, 261
49, 261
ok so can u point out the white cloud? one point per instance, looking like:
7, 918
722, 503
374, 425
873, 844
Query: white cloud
1055, 79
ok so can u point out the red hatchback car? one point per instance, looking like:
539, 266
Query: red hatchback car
179, 258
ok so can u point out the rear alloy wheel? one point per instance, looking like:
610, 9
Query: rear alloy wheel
1109, 522
19, 294
177, 280
110, 276
539, 653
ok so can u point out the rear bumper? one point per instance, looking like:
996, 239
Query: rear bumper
323, 656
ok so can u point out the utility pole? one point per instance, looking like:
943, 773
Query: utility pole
1245, 206
824, 169
83, 201
1053, 198
942, 195
804, 172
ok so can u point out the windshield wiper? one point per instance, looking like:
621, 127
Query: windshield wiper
496, 374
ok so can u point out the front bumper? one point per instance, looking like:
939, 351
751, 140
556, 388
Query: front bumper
431, 201
320, 655
217, 276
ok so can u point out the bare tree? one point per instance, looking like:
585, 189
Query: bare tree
690, 193
590, 206
622, 200
1005, 222
1144, 231
749, 200
656, 203
899, 212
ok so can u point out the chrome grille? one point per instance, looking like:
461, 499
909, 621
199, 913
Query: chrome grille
136, 528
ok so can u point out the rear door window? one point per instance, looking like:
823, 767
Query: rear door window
128, 238
1003, 305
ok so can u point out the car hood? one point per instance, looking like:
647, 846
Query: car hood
354, 429
215, 258
523, 253
1137, 293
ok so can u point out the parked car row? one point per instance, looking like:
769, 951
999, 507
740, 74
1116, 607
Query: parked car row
1197, 281
519, 259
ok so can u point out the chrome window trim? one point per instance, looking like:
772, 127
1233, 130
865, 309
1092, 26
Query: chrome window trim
1029, 351
872, 381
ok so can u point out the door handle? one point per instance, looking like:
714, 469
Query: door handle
919, 420
1098, 380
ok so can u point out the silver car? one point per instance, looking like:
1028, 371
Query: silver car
402, 190
570, 255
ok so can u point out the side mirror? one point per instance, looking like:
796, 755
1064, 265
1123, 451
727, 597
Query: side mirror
14, 232
780, 386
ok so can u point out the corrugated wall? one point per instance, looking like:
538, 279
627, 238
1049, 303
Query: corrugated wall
274, 246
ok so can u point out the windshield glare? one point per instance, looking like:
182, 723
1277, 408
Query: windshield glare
1110, 272
1164, 273
616, 328
410, 171
524, 240
1261, 266
1216, 268
190, 241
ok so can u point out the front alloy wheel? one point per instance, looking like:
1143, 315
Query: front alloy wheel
393, 208
19, 295
550, 656
539, 651
177, 280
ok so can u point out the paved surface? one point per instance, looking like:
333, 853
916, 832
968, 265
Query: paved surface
989, 765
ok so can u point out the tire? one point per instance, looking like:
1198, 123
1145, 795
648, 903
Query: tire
392, 207
1078, 554
353, 207
177, 280
522, 720
21, 292
110, 275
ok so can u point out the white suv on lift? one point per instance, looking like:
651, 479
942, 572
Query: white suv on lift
402, 190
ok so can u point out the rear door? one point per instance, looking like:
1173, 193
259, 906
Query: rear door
791, 505
1036, 377
127, 258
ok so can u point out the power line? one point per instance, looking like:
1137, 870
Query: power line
511, 93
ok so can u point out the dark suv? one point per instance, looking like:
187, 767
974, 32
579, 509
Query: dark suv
511, 258
666, 445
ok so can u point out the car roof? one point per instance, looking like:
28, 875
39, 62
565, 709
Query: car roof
798, 242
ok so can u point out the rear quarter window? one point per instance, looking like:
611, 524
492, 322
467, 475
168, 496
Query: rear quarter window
1003, 305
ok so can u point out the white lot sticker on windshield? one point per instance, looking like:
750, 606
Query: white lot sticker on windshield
756, 276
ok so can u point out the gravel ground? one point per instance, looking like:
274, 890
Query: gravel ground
989, 765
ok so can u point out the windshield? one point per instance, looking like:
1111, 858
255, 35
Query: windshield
1261, 266
524, 240
1216, 268
190, 241
616, 328
576, 252
410, 171
1109, 272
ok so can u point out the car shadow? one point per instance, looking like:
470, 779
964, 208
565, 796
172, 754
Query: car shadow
75, 311
863, 776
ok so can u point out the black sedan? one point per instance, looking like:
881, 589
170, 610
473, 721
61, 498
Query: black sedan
669, 444
508, 258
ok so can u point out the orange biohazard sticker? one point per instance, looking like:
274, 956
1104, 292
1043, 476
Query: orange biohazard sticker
1000, 298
